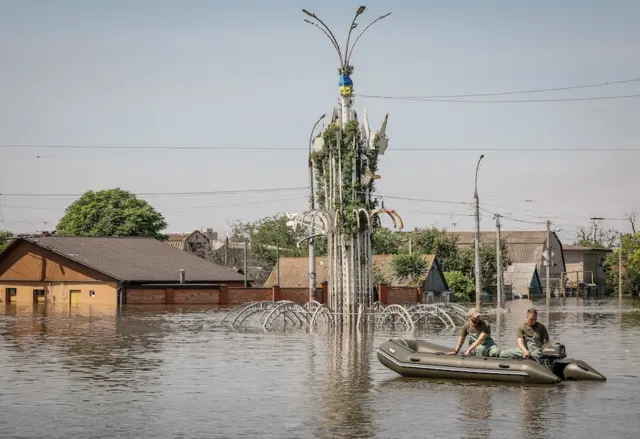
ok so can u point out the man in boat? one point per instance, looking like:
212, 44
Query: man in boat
480, 341
532, 335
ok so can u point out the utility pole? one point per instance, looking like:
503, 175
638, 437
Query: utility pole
246, 280
477, 240
620, 269
548, 261
499, 290
312, 206
278, 258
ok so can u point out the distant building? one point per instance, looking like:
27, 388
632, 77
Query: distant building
524, 247
522, 281
196, 242
585, 268
294, 273
106, 271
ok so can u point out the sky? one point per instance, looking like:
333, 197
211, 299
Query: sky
252, 74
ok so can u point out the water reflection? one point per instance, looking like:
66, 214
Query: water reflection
476, 404
93, 343
167, 372
346, 395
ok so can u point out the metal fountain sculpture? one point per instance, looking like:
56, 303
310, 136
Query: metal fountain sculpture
345, 160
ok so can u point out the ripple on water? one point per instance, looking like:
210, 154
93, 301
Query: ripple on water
168, 373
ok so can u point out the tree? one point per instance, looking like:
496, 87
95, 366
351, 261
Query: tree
111, 212
596, 238
463, 287
630, 265
445, 247
408, 268
385, 241
269, 233
632, 217
488, 256
5, 238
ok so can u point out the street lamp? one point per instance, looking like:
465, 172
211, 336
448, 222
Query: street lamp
477, 240
346, 57
312, 241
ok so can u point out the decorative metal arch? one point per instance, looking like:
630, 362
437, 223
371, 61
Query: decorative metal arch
287, 309
235, 311
312, 306
457, 310
253, 308
396, 311
323, 311
419, 312
393, 214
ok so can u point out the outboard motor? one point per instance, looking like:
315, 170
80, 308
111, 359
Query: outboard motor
554, 357
553, 352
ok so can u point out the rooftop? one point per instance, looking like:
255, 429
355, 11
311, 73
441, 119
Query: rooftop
294, 271
135, 259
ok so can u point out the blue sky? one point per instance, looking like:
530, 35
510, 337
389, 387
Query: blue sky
251, 73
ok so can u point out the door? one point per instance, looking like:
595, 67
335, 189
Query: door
75, 297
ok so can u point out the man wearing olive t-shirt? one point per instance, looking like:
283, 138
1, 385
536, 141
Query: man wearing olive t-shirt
480, 341
532, 335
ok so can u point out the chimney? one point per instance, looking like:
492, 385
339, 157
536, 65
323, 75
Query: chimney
182, 276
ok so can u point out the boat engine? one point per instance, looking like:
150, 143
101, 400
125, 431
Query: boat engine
553, 352
549, 354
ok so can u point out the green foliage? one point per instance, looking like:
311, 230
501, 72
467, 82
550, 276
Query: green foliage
5, 237
385, 241
380, 276
463, 287
455, 259
444, 246
630, 265
266, 234
488, 256
342, 146
111, 212
408, 268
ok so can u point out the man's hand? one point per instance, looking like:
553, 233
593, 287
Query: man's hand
467, 352
452, 353
525, 353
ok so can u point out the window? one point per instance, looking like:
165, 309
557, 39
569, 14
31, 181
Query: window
39, 293
12, 292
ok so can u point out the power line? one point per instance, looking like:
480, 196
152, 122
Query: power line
478, 101
536, 90
422, 199
288, 149
230, 192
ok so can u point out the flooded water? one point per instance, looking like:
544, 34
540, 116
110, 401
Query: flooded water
178, 373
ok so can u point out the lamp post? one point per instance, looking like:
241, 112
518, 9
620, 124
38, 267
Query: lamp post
477, 240
312, 241
345, 70
346, 182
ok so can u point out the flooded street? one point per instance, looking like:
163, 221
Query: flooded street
179, 373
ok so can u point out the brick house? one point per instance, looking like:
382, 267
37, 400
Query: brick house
108, 271
294, 274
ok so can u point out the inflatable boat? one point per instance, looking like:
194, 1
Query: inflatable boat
420, 359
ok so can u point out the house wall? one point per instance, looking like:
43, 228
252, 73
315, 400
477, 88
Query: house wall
555, 270
299, 295
434, 281
105, 293
587, 264
29, 262
402, 295
239, 296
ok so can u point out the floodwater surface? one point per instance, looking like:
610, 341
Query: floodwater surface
175, 372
